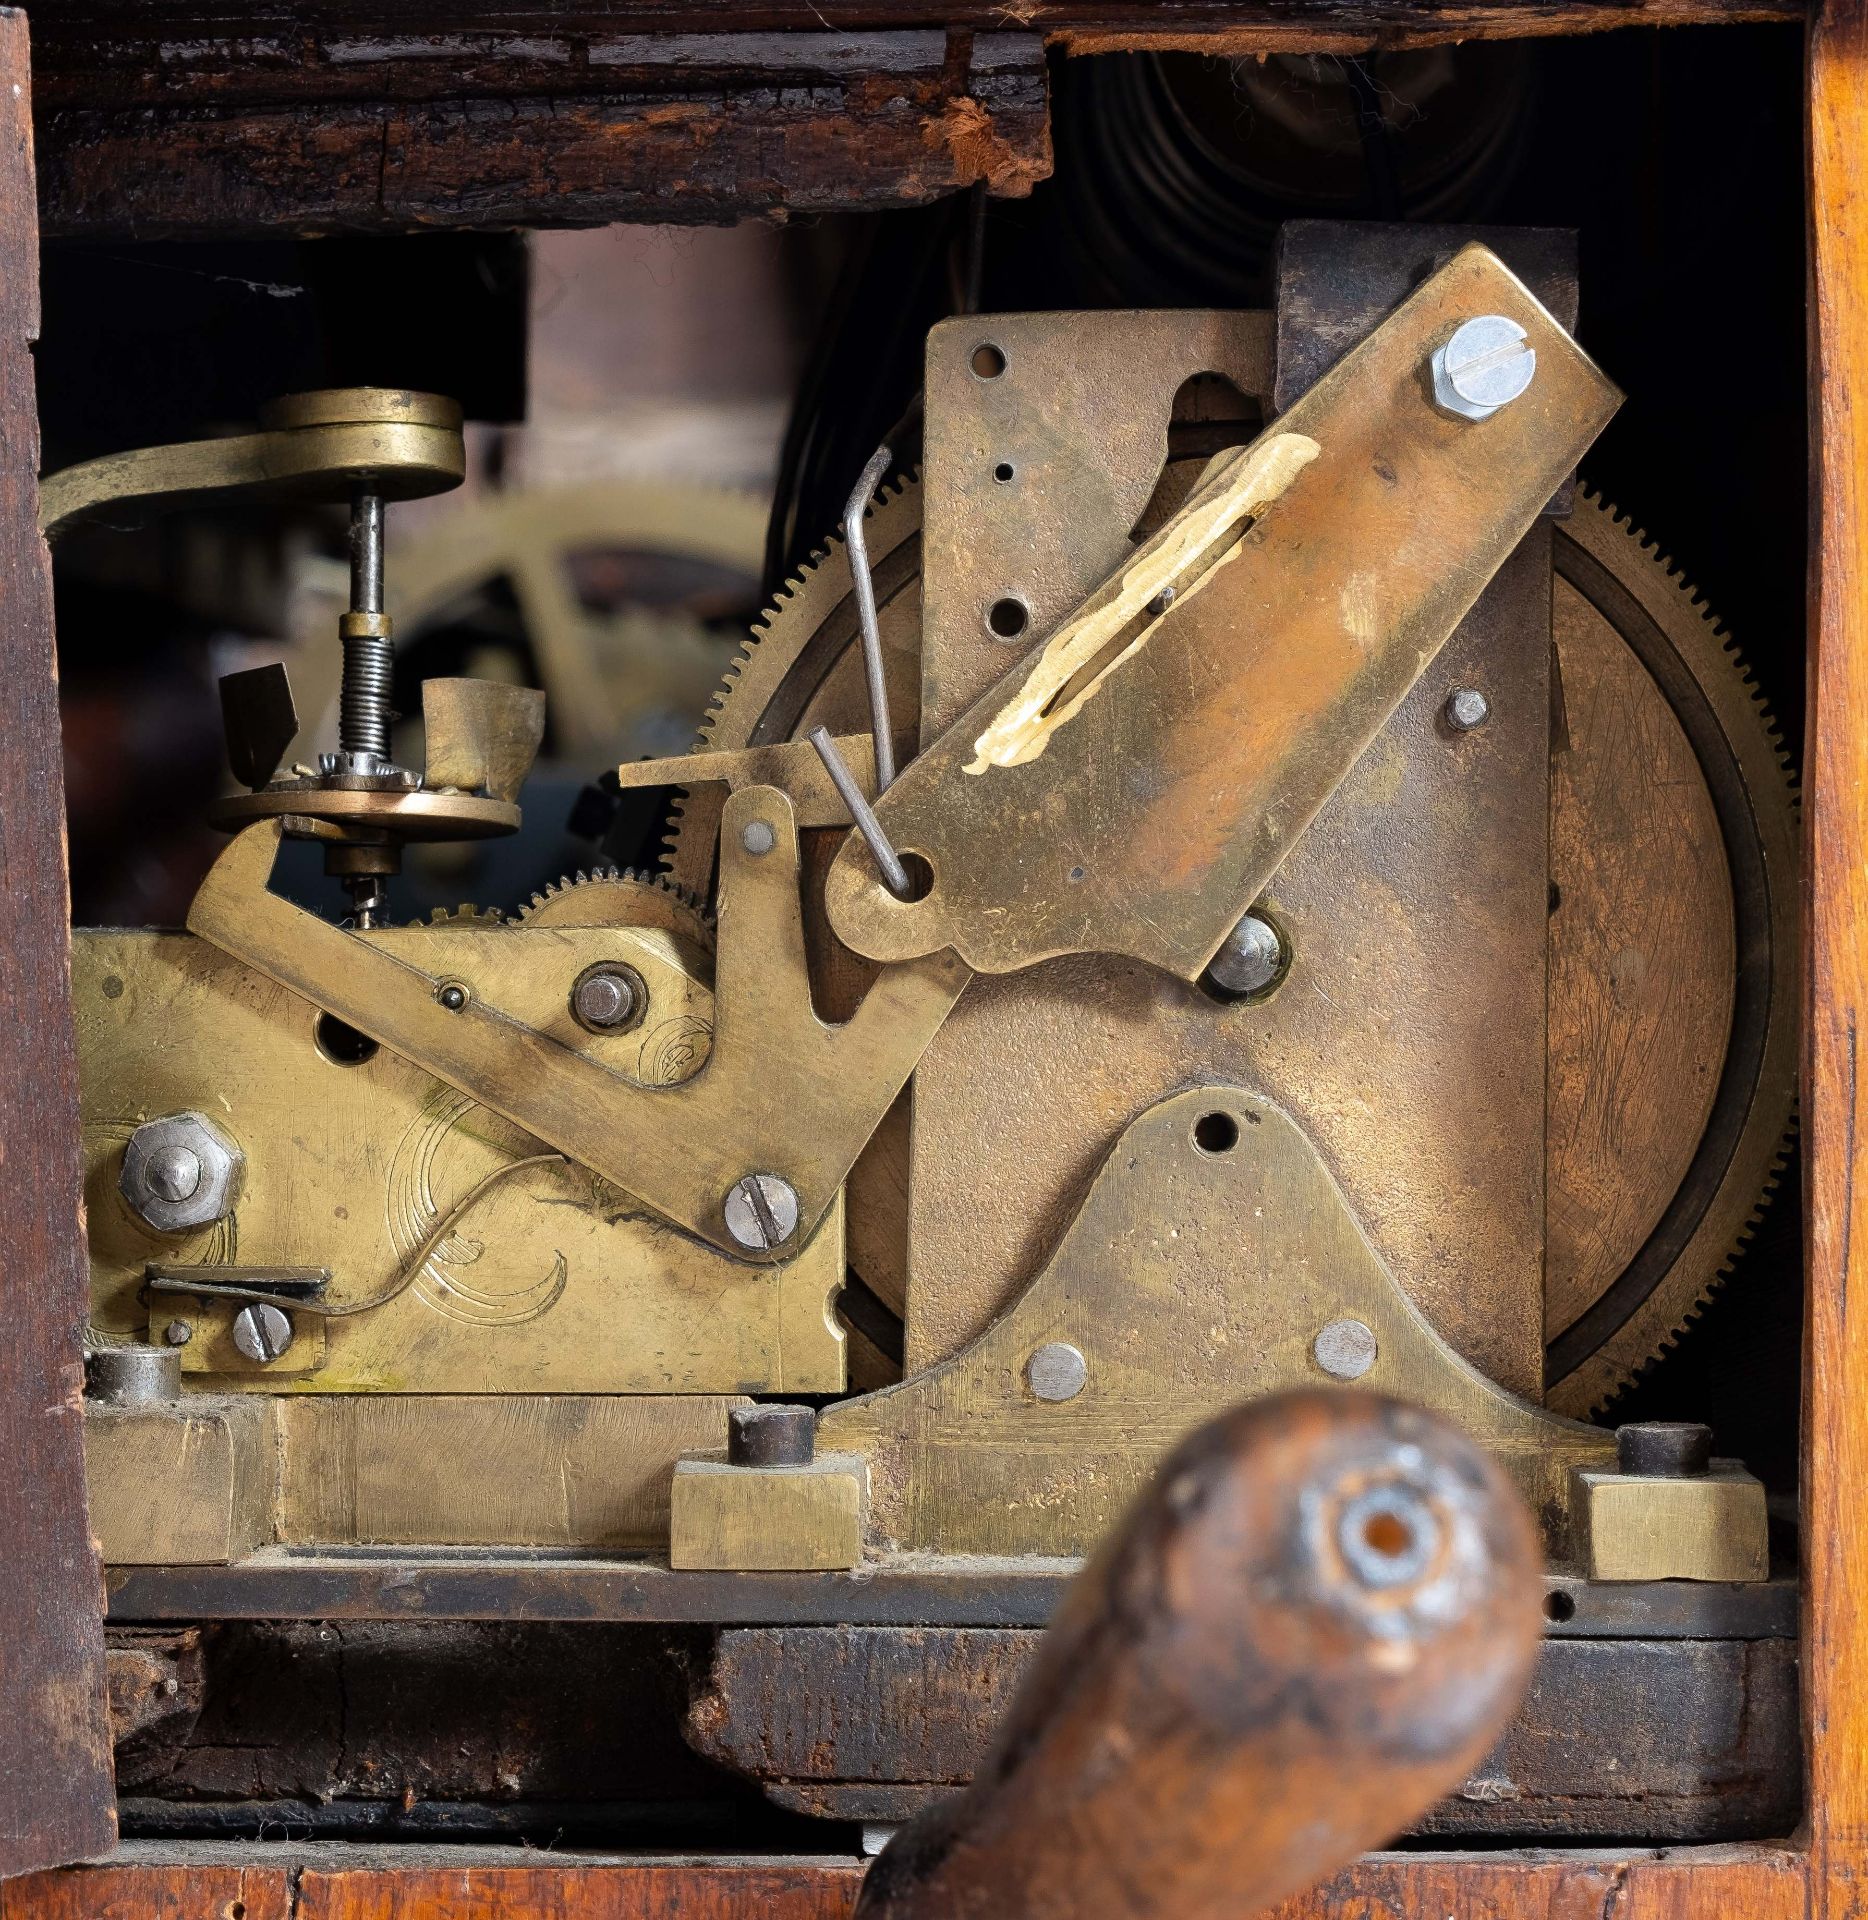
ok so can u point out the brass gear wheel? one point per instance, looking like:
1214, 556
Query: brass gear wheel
620, 897
465, 915
1723, 1159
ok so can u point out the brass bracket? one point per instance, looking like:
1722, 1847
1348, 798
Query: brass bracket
1214, 1259
782, 1092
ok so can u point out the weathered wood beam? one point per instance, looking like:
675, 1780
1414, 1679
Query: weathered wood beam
56, 1797
266, 135
190, 118
77, 33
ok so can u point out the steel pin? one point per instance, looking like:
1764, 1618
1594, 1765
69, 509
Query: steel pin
894, 874
863, 581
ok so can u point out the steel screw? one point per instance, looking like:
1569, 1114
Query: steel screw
1345, 1349
1250, 959
761, 1211
1486, 365
261, 1332
768, 1436
1466, 708
1057, 1371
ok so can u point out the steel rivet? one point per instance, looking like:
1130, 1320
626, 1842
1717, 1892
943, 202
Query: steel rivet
1345, 1349
1056, 1371
1251, 958
606, 998
757, 837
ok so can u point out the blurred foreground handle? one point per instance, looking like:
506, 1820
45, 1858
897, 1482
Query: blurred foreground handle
1313, 1623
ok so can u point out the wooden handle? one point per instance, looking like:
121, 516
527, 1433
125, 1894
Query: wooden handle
1312, 1624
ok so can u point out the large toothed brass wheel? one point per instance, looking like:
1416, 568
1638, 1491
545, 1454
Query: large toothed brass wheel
1672, 970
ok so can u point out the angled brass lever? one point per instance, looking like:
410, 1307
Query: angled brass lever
1131, 784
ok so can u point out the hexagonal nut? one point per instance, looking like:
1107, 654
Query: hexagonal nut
1486, 365
180, 1173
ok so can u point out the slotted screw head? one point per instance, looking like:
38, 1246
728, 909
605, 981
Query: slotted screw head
261, 1332
1485, 365
761, 1211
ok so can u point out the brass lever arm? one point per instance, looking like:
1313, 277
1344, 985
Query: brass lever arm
312, 446
782, 1092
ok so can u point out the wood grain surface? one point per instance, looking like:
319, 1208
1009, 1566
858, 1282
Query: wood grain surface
1835, 1454
237, 1883
55, 1779
196, 1881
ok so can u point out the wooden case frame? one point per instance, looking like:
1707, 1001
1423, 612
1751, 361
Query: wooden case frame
55, 1799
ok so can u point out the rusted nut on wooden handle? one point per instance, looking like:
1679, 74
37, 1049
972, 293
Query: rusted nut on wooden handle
1313, 1623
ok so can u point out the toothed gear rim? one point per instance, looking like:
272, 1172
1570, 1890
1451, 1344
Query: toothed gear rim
1700, 673
465, 915
619, 897
1741, 1153
794, 644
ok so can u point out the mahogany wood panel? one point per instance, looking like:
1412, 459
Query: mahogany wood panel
1835, 1454
55, 1779
779, 1891
208, 1882
1713, 1884
194, 1888
1689, 1884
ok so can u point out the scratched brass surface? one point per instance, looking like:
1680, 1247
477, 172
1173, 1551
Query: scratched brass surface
1174, 773
553, 1282
211, 1477
1210, 1249
1082, 408
1407, 1038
